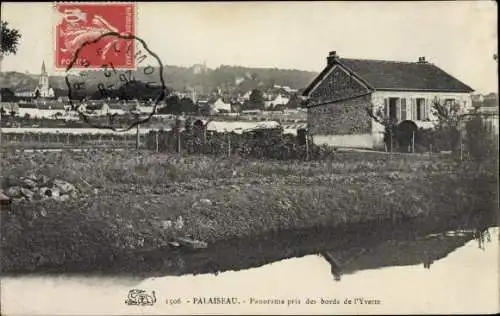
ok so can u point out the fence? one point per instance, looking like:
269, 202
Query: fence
474, 134
264, 143
69, 140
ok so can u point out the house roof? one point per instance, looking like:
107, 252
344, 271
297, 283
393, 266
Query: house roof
396, 75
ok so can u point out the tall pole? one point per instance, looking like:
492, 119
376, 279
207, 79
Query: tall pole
307, 145
157, 141
137, 140
413, 142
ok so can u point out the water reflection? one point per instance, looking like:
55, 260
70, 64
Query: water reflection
463, 278
422, 250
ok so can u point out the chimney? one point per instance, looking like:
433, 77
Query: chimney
421, 60
332, 56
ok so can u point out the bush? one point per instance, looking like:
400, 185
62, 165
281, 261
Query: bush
481, 144
436, 140
262, 144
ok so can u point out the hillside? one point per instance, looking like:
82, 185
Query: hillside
235, 79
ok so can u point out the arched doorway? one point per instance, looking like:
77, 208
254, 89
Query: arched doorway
406, 132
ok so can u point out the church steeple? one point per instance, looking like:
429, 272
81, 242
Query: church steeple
44, 71
43, 83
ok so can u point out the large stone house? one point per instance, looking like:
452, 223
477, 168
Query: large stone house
341, 96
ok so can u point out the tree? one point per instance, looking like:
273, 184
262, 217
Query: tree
187, 106
449, 121
294, 102
8, 95
173, 106
389, 124
10, 39
256, 100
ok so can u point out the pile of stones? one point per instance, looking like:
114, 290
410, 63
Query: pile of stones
32, 188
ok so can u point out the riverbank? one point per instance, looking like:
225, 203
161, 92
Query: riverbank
136, 205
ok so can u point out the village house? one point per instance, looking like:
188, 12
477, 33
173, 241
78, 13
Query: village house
278, 100
342, 95
487, 107
220, 106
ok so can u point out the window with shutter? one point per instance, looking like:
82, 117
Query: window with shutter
394, 108
413, 109
427, 108
403, 109
420, 109
386, 107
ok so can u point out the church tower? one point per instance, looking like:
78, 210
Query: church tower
43, 84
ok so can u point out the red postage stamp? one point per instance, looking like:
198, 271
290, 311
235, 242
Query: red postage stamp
81, 35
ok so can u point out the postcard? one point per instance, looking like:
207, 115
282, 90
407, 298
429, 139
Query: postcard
249, 158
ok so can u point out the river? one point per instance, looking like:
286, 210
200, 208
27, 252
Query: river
464, 280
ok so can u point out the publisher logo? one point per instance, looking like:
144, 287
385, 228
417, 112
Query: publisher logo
141, 298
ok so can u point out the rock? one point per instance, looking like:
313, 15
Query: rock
4, 199
28, 183
61, 198
191, 243
64, 186
14, 192
27, 193
43, 211
44, 191
55, 192
179, 223
32, 177
18, 200
174, 244
166, 224
43, 180
203, 202
389, 192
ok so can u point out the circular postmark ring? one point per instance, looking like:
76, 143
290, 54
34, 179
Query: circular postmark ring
85, 117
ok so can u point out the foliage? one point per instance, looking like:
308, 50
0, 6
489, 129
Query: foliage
389, 124
294, 102
188, 106
481, 144
449, 118
7, 95
10, 39
262, 144
175, 105
256, 101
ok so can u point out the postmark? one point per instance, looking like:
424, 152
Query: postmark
113, 98
79, 22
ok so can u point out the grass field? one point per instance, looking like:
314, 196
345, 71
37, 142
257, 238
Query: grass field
134, 201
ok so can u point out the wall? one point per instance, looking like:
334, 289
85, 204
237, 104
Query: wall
337, 85
465, 99
337, 114
356, 141
346, 117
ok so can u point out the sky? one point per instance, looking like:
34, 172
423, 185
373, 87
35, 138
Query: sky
459, 37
